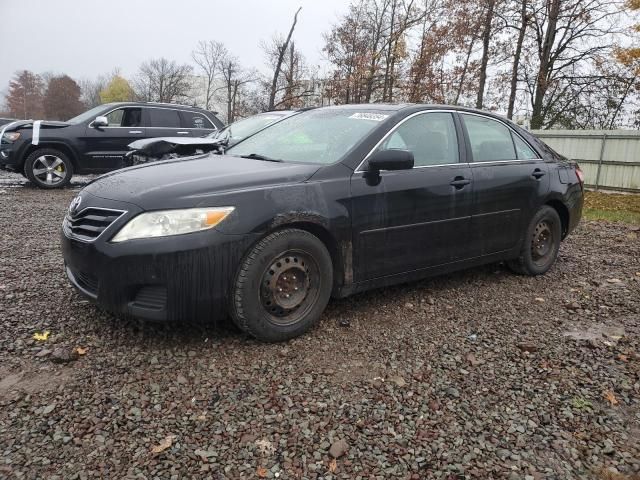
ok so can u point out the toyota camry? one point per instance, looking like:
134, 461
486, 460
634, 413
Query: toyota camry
329, 202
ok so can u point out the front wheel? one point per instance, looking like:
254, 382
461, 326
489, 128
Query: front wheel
541, 244
48, 168
283, 286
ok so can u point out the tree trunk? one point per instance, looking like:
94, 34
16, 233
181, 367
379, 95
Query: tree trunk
546, 67
516, 60
276, 72
464, 70
486, 37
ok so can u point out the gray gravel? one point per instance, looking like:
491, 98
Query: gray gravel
480, 374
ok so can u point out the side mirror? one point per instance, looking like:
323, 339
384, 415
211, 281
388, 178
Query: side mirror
100, 121
393, 159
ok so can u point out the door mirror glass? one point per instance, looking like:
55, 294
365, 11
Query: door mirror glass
393, 159
100, 122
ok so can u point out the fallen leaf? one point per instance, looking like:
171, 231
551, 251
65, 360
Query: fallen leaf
261, 472
611, 398
164, 444
333, 465
41, 337
81, 351
623, 358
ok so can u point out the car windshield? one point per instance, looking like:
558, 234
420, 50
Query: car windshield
318, 136
88, 115
245, 127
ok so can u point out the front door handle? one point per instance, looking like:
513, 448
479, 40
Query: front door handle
538, 174
182, 133
135, 131
460, 182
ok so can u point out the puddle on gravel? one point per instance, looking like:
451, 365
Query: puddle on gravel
30, 381
598, 332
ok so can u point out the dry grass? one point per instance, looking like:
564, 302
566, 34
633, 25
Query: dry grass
612, 207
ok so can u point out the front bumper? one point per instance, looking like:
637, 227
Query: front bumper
179, 278
7, 157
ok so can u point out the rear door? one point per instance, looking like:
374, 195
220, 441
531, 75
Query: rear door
196, 123
104, 148
165, 122
418, 218
510, 183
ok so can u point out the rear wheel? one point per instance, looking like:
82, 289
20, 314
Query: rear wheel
283, 286
541, 243
48, 168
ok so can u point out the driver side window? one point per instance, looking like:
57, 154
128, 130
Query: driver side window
125, 117
430, 136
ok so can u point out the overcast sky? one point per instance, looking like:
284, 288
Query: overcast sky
85, 38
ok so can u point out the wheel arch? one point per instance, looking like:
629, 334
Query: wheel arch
563, 213
63, 147
341, 269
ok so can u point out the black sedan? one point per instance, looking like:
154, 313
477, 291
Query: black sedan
329, 202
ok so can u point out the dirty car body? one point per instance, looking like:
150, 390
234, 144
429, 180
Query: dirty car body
411, 191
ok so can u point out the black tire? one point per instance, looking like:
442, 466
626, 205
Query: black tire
540, 245
48, 168
282, 286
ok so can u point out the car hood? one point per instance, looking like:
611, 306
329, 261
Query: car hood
28, 124
193, 182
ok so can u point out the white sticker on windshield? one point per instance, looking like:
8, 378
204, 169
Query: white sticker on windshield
376, 117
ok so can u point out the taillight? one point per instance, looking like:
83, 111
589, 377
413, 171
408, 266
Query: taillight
580, 175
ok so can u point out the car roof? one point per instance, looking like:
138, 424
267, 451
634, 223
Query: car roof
154, 104
411, 107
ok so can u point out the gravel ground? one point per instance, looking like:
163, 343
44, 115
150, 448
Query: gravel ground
479, 374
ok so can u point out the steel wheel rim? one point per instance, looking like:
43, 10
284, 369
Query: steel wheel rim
289, 287
542, 243
49, 169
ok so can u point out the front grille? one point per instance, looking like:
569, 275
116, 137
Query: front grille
90, 222
87, 281
151, 297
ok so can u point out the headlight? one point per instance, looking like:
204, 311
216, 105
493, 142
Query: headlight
10, 137
172, 222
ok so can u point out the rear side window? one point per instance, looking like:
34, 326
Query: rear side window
195, 120
164, 117
490, 140
523, 150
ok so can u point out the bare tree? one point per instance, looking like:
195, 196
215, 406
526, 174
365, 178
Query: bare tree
235, 78
569, 36
278, 66
161, 80
522, 29
486, 37
208, 55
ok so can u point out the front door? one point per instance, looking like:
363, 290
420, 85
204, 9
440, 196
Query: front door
104, 147
510, 183
418, 218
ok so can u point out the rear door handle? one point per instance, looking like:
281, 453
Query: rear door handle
460, 182
182, 133
135, 131
538, 174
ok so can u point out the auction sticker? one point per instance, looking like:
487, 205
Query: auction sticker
376, 117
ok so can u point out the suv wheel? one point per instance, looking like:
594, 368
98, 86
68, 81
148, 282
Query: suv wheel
48, 168
283, 286
541, 244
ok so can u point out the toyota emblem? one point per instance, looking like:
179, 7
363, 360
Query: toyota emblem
75, 205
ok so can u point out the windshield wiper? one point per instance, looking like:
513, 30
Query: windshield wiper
257, 156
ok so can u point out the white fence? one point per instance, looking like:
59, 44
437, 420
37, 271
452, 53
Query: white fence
610, 159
